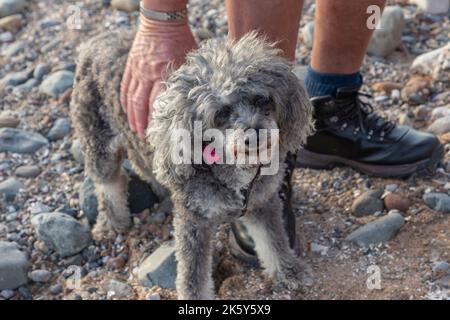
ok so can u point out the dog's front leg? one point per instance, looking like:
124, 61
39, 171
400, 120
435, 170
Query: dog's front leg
265, 226
193, 236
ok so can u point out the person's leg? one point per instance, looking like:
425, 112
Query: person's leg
276, 19
348, 131
341, 37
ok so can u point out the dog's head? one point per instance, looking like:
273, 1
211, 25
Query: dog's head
227, 85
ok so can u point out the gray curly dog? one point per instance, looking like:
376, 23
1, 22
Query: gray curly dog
225, 85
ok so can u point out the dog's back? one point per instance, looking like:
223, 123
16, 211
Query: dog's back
102, 127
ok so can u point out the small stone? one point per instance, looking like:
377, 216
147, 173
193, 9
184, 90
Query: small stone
25, 293
159, 268
60, 129
386, 87
76, 151
14, 48
153, 296
56, 289
13, 266
421, 113
125, 5
48, 23
378, 231
28, 171
368, 203
50, 45
7, 294
320, 249
38, 207
204, 34
6, 37
429, 63
11, 23
308, 34
388, 34
8, 121
28, 85
57, 83
443, 282
116, 263
391, 187
14, 79
433, 6
63, 233
398, 202
10, 188
405, 120
437, 201
441, 267
41, 70
416, 90
118, 289
10, 7
440, 126
40, 275
20, 141
445, 138
440, 112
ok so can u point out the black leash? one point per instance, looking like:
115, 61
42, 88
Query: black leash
246, 191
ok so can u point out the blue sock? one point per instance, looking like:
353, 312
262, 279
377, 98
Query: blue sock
323, 84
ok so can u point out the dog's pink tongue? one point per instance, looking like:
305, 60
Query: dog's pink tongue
209, 155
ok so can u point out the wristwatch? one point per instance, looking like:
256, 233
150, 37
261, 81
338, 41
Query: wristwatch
163, 15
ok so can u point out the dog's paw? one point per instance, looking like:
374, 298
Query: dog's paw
294, 277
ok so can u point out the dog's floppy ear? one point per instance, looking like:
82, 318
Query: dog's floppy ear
296, 122
274, 73
170, 113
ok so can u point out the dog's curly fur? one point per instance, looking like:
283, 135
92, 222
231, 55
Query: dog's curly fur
220, 72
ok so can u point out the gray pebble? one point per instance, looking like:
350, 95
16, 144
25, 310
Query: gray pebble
27, 171
7, 294
63, 233
159, 268
77, 153
28, 85
10, 188
368, 203
20, 141
60, 129
15, 48
57, 83
378, 231
13, 266
437, 201
10, 7
389, 36
14, 79
440, 126
40, 275
56, 289
41, 70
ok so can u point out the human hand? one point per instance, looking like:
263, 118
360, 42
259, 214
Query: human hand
156, 44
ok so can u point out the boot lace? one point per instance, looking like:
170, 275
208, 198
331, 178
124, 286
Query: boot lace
360, 112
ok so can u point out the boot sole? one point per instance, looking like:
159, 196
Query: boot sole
312, 160
239, 253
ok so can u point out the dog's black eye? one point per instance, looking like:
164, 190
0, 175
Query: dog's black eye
222, 115
264, 104
261, 101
